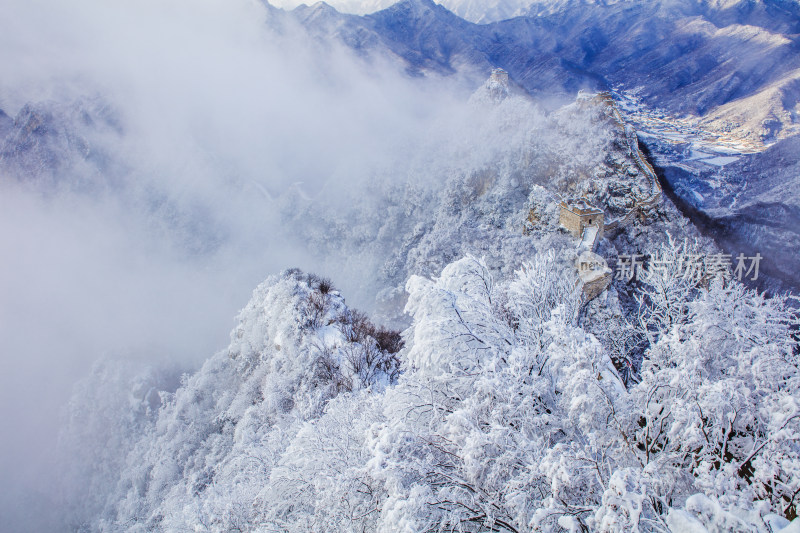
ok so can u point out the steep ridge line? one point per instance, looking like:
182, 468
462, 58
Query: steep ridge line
640, 205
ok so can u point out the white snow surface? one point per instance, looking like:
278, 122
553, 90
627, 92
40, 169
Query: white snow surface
480, 11
501, 392
589, 237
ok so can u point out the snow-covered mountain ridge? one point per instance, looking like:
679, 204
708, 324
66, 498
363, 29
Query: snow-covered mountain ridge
688, 58
512, 159
666, 402
714, 81
487, 11
501, 402
503, 385
296, 347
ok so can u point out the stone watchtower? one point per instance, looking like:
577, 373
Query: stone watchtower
579, 216
586, 222
499, 76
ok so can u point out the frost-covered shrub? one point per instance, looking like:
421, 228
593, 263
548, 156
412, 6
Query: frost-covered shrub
508, 417
468, 188
320, 483
479, 422
718, 402
202, 458
667, 287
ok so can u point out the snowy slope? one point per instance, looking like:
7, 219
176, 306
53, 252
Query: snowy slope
749, 202
188, 455
479, 11
683, 403
685, 57
304, 423
484, 11
721, 71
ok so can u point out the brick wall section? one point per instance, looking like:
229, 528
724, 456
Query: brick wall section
574, 219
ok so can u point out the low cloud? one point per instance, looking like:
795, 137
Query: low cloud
216, 109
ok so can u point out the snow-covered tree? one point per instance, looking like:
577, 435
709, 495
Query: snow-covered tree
495, 399
668, 284
718, 403
322, 482
506, 415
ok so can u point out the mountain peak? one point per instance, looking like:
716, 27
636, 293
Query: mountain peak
315, 8
496, 87
322, 6
417, 7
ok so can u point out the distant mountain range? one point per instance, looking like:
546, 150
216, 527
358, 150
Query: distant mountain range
715, 83
709, 84
480, 11
734, 64
488, 11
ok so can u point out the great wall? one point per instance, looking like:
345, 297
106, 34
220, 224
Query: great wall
588, 223
641, 205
